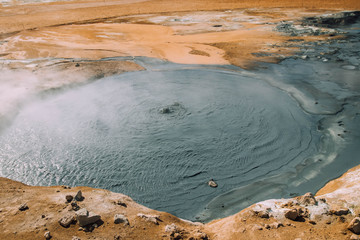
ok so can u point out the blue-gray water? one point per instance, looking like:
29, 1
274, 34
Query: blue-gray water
159, 135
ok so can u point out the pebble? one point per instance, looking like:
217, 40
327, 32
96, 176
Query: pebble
119, 218
47, 235
23, 207
212, 183
69, 198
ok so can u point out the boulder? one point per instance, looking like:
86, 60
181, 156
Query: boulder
354, 225
85, 218
291, 214
119, 218
79, 196
308, 199
66, 220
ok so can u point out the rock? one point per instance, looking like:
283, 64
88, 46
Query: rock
267, 226
23, 207
74, 206
85, 218
263, 214
79, 196
340, 212
75, 238
119, 218
304, 57
354, 225
276, 225
308, 199
354, 237
291, 214
212, 183
121, 203
150, 218
117, 237
69, 198
312, 222
172, 228
66, 220
47, 235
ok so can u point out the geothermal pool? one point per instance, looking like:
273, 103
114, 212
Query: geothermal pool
159, 135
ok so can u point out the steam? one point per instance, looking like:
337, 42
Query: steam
16, 87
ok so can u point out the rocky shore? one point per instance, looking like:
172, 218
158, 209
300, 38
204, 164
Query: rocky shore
62, 212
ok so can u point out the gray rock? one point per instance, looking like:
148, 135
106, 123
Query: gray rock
119, 218
291, 214
354, 225
150, 218
79, 196
66, 220
85, 218
23, 207
47, 235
